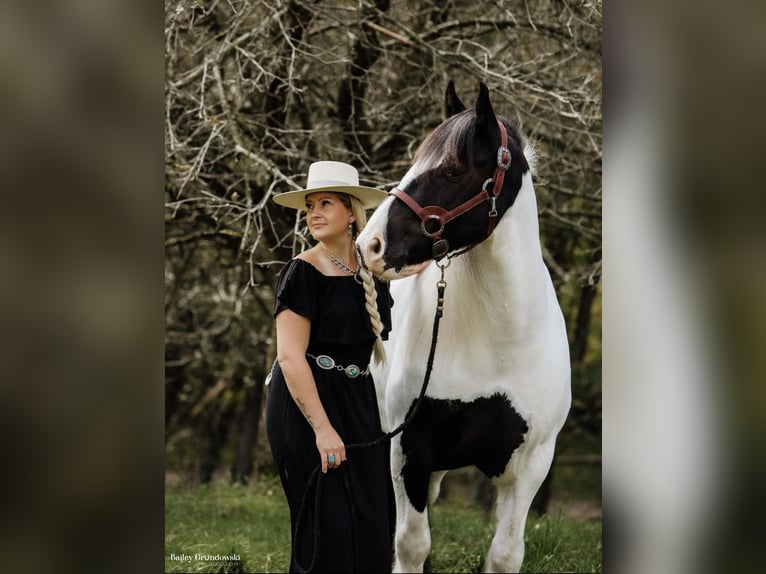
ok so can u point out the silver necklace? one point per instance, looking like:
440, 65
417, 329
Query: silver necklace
342, 266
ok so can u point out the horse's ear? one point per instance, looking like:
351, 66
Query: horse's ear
485, 115
452, 104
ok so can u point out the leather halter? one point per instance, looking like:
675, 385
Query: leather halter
441, 216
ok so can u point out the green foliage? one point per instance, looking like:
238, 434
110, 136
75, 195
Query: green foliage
253, 522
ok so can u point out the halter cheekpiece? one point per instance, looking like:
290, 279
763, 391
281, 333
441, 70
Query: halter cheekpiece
441, 216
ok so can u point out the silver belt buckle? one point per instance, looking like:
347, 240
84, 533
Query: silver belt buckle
352, 371
325, 362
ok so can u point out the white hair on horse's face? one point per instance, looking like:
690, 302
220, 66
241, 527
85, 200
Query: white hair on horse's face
422, 165
376, 231
376, 228
448, 140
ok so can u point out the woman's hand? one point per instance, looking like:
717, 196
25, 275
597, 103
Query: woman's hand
329, 443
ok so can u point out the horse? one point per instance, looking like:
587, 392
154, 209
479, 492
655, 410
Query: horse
499, 390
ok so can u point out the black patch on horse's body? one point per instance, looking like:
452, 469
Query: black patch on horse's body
448, 434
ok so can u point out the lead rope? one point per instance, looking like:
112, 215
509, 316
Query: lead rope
315, 480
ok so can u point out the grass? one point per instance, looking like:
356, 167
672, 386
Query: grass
253, 523
224, 519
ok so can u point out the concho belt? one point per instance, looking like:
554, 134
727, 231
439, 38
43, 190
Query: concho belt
326, 362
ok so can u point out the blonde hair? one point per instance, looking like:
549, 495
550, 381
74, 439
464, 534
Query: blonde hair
370, 293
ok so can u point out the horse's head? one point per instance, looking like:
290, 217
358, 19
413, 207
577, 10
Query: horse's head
465, 176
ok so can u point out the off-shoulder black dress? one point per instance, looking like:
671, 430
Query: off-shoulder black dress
340, 328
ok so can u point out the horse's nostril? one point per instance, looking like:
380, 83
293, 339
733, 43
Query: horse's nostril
375, 245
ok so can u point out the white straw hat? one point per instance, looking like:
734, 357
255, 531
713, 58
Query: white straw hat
332, 176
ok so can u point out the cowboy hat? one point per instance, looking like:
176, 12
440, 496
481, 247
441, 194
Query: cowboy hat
332, 176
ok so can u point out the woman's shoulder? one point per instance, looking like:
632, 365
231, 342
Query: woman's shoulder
298, 269
308, 259
299, 288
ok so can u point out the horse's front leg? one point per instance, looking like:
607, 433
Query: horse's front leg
515, 492
412, 542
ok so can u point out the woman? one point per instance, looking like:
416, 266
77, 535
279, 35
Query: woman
331, 315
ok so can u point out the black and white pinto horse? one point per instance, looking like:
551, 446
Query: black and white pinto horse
500, 387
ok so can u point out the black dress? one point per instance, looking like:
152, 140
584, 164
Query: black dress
351, 538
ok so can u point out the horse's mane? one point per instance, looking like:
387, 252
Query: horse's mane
530, 152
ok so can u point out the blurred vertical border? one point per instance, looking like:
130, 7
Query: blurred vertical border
81, 273
684, 286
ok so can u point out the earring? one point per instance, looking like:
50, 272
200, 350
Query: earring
350, 229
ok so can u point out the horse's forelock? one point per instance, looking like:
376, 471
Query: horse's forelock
447, 140
455, 138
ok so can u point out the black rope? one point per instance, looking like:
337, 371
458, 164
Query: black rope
315, 480
426, 378
300, 520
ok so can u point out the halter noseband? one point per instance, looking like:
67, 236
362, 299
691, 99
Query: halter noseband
441, 216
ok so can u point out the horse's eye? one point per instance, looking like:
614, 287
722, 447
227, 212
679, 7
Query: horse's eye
452, 171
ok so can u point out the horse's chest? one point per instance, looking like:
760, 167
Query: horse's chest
448, 434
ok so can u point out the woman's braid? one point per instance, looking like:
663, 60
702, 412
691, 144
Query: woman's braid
370, 293
371, 304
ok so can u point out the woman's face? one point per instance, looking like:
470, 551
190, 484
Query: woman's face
326, 216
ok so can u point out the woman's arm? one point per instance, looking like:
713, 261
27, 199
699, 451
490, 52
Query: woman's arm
293, 332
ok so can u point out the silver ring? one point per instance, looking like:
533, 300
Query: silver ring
330, 458
425, 231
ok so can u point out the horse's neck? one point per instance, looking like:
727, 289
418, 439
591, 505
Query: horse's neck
507, 269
